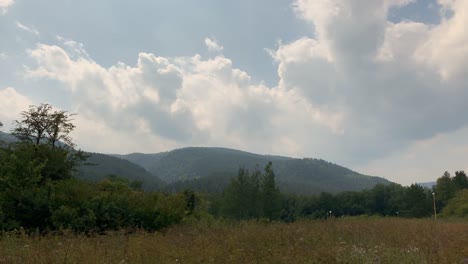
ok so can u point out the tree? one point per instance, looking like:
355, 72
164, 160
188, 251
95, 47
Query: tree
445, 188
240, 199
34, 124
253, 195
59, 128
460, 180
40, 129
417, 202
270, 194
458, 206
43, 123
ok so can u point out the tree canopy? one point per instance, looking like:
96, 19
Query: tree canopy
42, 123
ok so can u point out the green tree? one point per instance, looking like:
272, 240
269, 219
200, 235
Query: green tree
40, 129
240, 199
270, 194
460, 180
458, 206
445, 189
43, 123
32, 128
418, 202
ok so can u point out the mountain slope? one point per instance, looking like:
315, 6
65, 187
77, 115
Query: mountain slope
6, 138
101, 165
190, 167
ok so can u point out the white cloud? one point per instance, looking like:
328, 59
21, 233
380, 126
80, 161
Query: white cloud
183, 101
27, 29
446, 48
3, 55
4, 4
213, 45
12, 104
389, 82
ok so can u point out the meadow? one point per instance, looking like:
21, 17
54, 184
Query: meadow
347, 240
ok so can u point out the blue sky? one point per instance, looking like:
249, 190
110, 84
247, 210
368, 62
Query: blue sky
375, 85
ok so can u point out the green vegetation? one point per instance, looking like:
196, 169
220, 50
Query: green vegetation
39, 193
252, 196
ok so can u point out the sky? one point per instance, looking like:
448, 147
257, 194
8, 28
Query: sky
378, 86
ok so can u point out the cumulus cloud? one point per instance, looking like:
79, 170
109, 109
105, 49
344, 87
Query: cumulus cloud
183, 100
213, 45
4, 4
391, 81
12, 104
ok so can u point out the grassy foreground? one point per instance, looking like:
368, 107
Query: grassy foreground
380, 240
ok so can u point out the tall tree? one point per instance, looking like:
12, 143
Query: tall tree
460, 180
40, 129
42, 123
270, 194
417, 202
445, 188
32, 128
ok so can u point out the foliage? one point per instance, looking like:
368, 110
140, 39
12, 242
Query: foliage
457, 206
253, 195
39, 193
42, 123
39, 134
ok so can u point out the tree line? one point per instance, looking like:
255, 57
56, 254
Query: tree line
243, 198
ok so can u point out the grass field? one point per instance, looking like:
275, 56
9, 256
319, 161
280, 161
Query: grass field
367, 240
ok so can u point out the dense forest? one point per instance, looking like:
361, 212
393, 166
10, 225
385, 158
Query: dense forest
40, 191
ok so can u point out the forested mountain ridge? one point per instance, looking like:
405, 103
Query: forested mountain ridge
193, 167
99, 166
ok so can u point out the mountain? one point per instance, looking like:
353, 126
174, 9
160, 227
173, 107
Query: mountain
99, 166
196, 168
6, 138
428, 185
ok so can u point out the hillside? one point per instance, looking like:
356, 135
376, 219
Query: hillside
6, 138
428, 185
197, 168
101, 165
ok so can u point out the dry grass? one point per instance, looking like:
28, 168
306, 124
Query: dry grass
334, 241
